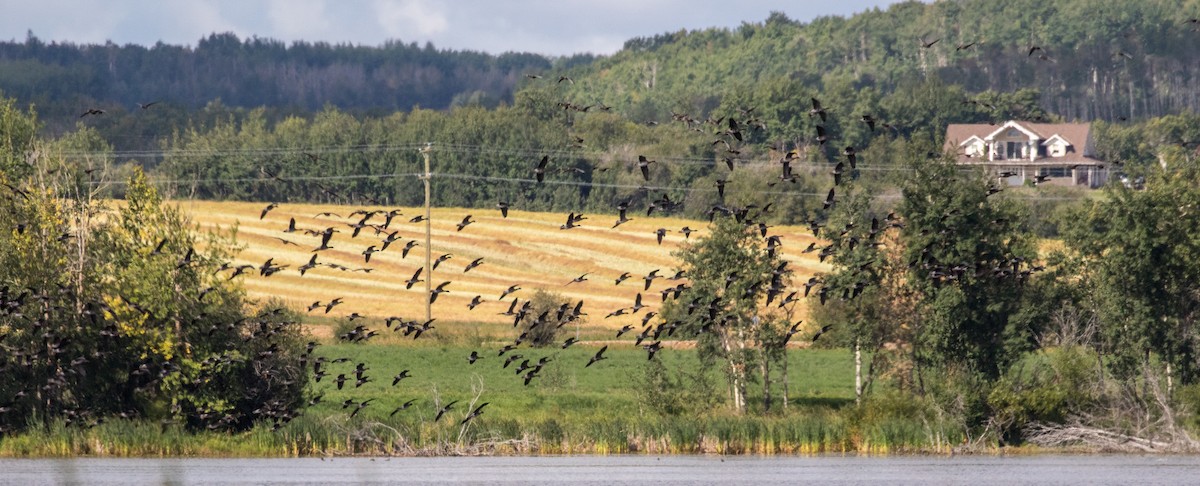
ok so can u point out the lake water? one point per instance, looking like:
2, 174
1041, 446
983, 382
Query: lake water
973, 470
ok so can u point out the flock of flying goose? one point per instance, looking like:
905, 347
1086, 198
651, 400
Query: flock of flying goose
728, 132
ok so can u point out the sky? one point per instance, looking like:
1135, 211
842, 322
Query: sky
549, 27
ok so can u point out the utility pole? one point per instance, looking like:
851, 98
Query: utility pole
428, 238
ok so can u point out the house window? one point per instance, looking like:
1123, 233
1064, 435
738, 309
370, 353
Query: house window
1013, 150
1012, 132
1055, 171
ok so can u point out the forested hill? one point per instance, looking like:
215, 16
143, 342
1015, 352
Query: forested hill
1098, 59
304, 76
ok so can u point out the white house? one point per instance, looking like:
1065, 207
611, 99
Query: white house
1060, 152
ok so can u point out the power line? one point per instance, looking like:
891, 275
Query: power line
265, 179
517, 180
530, 153
469, 149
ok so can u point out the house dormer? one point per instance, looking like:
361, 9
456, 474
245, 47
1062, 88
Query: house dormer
1012, 141
973, 147
1057, 146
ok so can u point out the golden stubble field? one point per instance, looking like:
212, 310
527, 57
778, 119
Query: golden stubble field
526, 249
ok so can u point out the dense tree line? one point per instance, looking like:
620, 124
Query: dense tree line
117, 312
66, 78
1113, 61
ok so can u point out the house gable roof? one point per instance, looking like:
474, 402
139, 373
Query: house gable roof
1013, 124
970, 139
1075, 134
1057, 137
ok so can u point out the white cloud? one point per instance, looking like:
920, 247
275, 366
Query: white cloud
187, 22
553, 27
298, 19
406, 19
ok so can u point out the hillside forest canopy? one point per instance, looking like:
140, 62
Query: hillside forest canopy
1016, 315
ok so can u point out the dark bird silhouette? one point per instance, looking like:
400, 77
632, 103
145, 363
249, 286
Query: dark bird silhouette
823, 330
720, 183
829, 200
441, 289
402, 407
540, 171
391, 238
477, 412
465, 221
652, 348
660, 233
571, 220
650, 278
851, 156
368, 252
147, 105
474, 357
443, 410
963, 47
475, 302
621, 211
579, 279
598, 356
333, 303
414, 279
438, 261
363, 404
870, 121
503, 207
817, 110
644, 165
837, 172
408, 246
637, 304
507, 291
622, 278
400, 376
268, 209
1033, 49
822, 137
474, 263
927, 44
92, 111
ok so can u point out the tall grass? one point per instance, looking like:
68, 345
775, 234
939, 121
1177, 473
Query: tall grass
802, 432
570, 410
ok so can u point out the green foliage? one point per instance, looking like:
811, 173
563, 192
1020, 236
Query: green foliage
123, 315
1045, 387
970, 262
1140, 251
549, 312
685, 391
730, 273
18, 132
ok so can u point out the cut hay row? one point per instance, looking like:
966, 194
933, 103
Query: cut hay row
526, 249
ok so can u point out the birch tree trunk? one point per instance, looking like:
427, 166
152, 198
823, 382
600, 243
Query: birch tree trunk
857, 373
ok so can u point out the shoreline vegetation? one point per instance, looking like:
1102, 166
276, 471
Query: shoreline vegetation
630, 408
